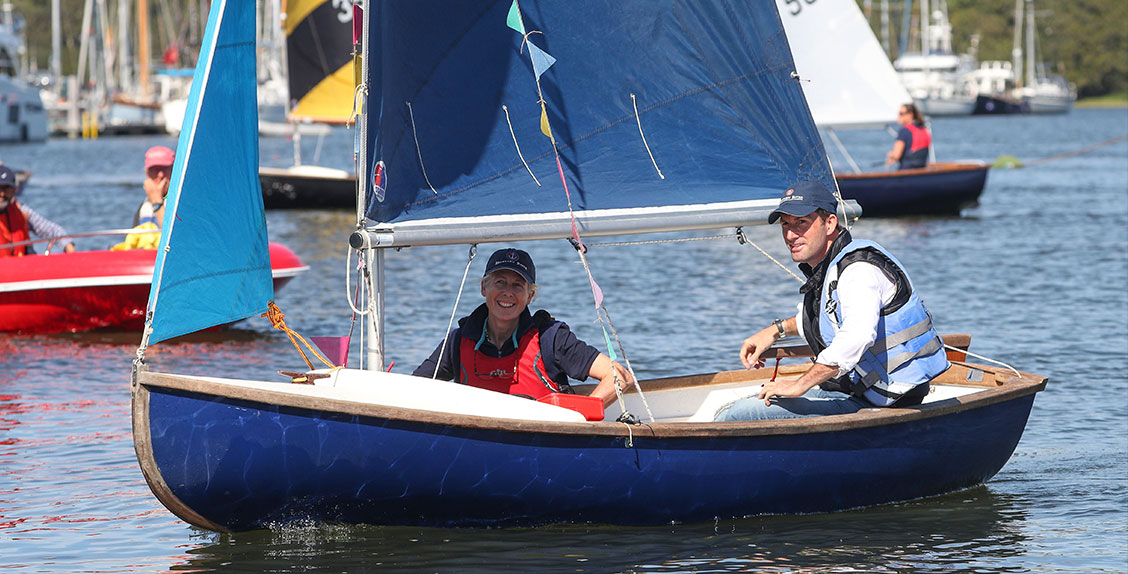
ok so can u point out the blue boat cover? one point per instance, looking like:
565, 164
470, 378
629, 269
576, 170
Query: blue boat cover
213, 263
455, 92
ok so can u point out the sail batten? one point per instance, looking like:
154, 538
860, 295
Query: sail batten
454, 102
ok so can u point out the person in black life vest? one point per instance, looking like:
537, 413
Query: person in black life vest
873, 339
503, 347
913, 140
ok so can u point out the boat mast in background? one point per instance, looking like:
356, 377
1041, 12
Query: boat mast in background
1041, 92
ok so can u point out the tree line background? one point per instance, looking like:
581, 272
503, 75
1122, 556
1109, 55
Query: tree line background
1084, 40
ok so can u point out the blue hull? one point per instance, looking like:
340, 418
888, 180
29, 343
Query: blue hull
940, 189
235, 464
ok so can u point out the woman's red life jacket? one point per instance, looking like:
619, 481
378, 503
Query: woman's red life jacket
921, 138
519, 373
13, 229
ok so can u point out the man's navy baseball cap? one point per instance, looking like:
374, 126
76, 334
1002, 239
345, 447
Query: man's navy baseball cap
8, 177
513, 260
803, 199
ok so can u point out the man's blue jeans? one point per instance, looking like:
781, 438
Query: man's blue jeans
816, 402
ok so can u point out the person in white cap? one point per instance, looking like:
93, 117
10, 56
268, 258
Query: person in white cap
158, 174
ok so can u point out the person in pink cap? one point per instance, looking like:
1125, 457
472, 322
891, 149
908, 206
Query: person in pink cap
158, 173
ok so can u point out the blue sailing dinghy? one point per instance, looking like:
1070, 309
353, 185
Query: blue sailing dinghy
506, 121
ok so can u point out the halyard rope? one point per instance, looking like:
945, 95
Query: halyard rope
360, 268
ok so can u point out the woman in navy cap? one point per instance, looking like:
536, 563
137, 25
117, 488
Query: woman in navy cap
503, 347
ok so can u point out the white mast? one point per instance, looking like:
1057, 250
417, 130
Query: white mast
375, 286
1030, 55
56, 43
125, 75
1016, 51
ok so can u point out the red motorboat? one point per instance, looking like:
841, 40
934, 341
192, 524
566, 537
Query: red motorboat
88, 290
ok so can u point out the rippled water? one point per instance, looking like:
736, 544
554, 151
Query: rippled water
1038, 275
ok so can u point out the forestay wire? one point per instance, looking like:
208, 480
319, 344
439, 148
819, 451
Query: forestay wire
454, 312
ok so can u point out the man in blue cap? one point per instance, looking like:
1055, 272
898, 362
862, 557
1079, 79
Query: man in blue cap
18, 222
873, 339
503, 347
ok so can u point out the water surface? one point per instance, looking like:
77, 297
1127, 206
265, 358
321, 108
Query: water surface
1038, 275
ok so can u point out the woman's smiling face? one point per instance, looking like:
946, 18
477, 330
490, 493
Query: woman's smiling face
507, 294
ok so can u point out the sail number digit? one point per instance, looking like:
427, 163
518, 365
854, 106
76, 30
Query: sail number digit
796, 6
343, 9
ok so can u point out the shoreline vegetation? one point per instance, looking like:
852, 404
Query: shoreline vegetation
1117, 100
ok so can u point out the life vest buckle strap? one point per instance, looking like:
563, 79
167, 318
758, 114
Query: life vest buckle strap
903, 336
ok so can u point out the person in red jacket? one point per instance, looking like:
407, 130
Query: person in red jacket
17, 222
913, 140
503, 347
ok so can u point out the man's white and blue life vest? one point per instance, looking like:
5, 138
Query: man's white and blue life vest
908, 352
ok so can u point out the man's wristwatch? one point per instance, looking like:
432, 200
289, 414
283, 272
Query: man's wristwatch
779, 326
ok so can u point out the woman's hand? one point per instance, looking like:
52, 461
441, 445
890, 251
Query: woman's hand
611, 375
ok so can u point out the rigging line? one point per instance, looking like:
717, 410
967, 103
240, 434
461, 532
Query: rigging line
418, 151
639, 120
1085, 149
600, 313
358, 104
743, 239
982, 358
630, 369
519, 154
658, 241
442, 348
579, 246
348, 272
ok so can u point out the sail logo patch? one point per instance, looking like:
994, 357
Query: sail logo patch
378, 177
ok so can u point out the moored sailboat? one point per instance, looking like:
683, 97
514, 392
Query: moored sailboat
320, 75
547, 120
851, 85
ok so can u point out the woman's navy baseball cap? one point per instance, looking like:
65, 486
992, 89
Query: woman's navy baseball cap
513, 260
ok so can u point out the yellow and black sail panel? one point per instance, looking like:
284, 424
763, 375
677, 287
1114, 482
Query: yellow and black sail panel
319, 54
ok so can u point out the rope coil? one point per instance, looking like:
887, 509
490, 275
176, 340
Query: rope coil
278, 321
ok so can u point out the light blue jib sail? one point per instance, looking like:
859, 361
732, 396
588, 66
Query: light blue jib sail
649, 102
213, 263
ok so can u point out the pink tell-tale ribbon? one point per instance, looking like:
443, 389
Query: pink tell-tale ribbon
358, 23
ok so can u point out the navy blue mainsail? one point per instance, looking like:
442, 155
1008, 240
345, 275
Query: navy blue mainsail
650, 103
